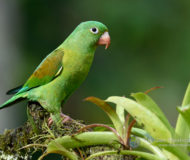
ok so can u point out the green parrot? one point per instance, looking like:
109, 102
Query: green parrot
63, 70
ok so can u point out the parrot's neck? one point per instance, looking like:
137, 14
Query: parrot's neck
76, 45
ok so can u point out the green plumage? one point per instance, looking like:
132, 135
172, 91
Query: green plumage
63, 70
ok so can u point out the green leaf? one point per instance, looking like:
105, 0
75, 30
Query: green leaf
148, 146
87, 139
186, 99
182, 128
121, 114
109, 111
169, 155
185, 113
59, 149
149, 120
145, 155
101, 138
141, 133
173, 151
147, 102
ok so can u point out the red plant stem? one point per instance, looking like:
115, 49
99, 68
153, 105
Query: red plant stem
129, 132
151, 89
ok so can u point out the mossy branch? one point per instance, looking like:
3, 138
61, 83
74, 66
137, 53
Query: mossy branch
32, 137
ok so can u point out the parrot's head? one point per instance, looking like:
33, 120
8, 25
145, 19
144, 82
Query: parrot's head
90, 34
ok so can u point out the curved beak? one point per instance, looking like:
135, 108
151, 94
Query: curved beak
104, 40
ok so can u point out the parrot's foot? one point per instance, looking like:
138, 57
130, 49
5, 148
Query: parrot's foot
65, 119
50, 121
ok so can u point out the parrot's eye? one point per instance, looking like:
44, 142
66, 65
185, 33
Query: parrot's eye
94, 30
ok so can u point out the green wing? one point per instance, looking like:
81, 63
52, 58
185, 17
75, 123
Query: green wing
48, 69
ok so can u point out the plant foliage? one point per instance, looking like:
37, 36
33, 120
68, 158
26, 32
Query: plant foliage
152, 138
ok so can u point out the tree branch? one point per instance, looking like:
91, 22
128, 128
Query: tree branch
28, 141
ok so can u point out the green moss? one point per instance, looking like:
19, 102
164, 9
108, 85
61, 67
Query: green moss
36, 131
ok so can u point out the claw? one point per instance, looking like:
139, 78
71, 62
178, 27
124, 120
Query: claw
50, 121
65, 119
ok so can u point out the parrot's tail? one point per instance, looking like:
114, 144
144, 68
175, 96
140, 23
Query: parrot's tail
15, 99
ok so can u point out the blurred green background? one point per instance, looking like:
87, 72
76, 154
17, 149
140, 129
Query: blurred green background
150, 47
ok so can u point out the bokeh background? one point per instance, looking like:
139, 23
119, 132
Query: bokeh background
150, 47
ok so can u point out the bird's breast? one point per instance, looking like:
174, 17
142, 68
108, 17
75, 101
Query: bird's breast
77, 65
75, 70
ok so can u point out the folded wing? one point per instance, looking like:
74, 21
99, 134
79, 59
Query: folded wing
48, 69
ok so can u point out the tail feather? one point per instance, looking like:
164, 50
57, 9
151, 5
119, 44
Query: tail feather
14, 90
15, 99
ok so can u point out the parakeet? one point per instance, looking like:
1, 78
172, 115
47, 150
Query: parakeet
63, 70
